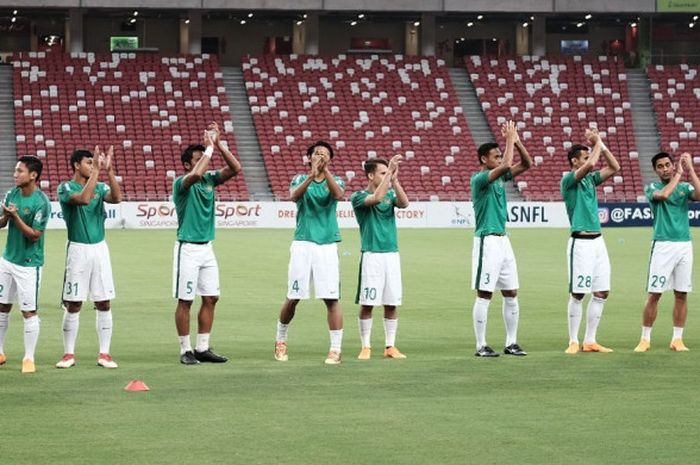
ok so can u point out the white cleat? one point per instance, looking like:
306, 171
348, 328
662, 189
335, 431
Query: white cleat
67, 361
105, 360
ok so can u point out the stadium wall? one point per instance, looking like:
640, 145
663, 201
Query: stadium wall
234, 215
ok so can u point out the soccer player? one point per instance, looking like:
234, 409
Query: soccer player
88, 271
25, 211
195, 270
671, 263
380, 264
493, 261
589, 265
314, 250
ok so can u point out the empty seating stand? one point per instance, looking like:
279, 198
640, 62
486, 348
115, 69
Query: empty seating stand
366, 107
553, 101
148, 106
675, 90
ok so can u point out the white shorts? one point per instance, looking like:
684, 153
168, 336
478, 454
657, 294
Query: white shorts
380, 279
493, 264
88, 273
20, 284
670, 267
588, 265
195, 271
310, 260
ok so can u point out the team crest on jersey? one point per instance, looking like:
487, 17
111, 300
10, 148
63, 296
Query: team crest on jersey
26, 211
208, 188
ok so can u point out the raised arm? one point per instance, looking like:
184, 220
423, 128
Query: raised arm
202, 164
593, 139
378, 195
509, 132
295, 193
663, 194
525, 158
85, 196
401, 197
336, 191
115, 191
612, 166
233, 166
687, 159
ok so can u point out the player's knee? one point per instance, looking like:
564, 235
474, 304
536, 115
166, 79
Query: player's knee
102, 306
680, 295
510, 293
484, 294
28, 313
184, 304
578, 297
601, 294
74, 307
5, 308
210, 299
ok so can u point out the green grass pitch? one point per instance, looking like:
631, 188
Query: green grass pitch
440, 406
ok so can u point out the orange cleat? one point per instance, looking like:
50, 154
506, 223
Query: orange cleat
28, 366
678, 346
365, 353
393, 352
643, 346
595, 347
573, 348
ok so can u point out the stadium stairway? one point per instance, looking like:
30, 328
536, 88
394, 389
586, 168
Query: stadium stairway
646, 133
246, 138
479, 127
8, 149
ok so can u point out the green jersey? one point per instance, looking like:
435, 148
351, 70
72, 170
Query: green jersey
85, 223
670, 215
316, 220
195, 208
377, 222
581, 201
489, 203
35, 210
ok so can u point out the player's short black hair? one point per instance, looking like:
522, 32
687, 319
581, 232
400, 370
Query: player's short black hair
78, 156
319, 143
484, 149
574, 152
186, 156
32, 164
371, 165
659, 156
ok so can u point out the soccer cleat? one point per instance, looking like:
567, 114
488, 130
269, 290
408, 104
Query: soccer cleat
333, 358
210, 357
3, 359
28, 366
281, 351
514, 349
485, 351
573, 348
595, 347
67, 361
678, 346
105, 360
365, 353
643, 346
393, 352
188, 358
